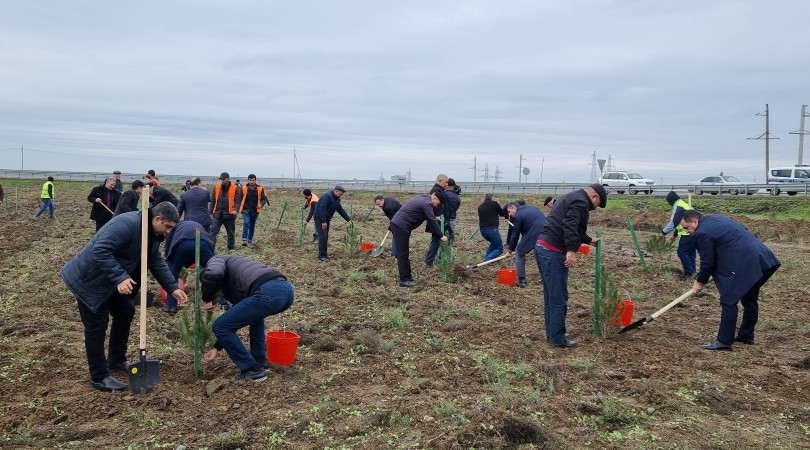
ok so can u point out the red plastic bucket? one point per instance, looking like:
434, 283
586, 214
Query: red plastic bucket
507, 276
585, 249
181, 283
366, 247
281, 347
624, 313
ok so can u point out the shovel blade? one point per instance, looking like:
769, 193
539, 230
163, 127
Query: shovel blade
144, 374
377, 252
637, 324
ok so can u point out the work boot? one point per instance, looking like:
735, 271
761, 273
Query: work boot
108, 384
716, 345
252, 375
407, 283
522, 283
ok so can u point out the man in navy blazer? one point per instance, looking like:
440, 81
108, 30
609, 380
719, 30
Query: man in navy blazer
739, 263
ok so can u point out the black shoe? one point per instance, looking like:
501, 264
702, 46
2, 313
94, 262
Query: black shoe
119, 367
407, 283
168, 310
716, 345
568, 343
323, 258
108, 384
252, 375
522, 283
244, 244
744, 340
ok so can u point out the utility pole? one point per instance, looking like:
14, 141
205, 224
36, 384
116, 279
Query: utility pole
474, 168
593, 165
497, 174
22, 157
486, 172
610, 166
520, 167
801, 134
766, 136
408, 175
542, 164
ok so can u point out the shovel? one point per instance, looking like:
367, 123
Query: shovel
379, 250
105, 207
144, 374
475, 266
655, 315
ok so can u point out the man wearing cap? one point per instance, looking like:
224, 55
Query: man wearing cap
565, 230
223, 208
328, 204
119, 186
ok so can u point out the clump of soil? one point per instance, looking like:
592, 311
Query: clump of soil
519, 432
803, 364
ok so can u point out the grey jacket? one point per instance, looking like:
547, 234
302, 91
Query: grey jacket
195, 204
236, 276
112, 256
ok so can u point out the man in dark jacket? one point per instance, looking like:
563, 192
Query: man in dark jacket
739, 263
224, 201
440, 191
687, 249
565, 230
257, 291
129, 199
328, 204
159, 194
253, 198
489, 217
193, 204
528, 221
102, 278
520, 202
119, 185
179, 248
389, 206
453, 194
104, 199
415, 211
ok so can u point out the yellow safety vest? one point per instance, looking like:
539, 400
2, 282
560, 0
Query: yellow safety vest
686, 207
45, 190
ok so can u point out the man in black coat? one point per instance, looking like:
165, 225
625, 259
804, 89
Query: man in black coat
104, 199
159, 194
489, 217
439, 190
453, 194
415, 211
129, 199
389, 206
257, 291
325, 209
565, 230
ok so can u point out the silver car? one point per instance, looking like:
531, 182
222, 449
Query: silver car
722, 184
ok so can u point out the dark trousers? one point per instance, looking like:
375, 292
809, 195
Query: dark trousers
728, 313
101, 222
230, 228
323, 238
122, 310
401, 239
687, 251
433, 249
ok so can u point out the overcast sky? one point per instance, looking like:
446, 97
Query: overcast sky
368, 88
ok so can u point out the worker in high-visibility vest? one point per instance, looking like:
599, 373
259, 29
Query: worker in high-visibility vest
687, 249
253, 198
223, 208
47, 199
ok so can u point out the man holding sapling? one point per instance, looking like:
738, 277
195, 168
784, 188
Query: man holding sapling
102, 278
257, 291
565, 230
687, 250
410, 217
739, 263
325, 209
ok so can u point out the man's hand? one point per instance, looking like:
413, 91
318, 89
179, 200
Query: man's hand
324, 226
127, 286
210, 356
181, 296
98, 200
594, 241
444, 238
697, 287
208, 306
570, 259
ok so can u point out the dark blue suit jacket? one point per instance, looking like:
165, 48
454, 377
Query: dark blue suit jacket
529, 222
732, 255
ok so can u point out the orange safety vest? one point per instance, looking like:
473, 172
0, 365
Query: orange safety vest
154, 179
231, 198
312, 200
259, 192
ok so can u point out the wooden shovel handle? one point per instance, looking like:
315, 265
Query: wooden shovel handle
672, 303
384, 238
144, 248
105, 207
491, 261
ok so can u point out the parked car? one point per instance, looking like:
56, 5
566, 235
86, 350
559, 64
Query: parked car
789, 179
626, 181
721, 184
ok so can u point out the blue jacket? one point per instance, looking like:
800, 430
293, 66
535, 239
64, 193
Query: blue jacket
567, 223
112, 256
732, 255
453, 202
184, 230
529, 222
415, 211
194, 202
326, 207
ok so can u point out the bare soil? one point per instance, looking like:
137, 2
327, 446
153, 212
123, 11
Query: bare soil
442, 366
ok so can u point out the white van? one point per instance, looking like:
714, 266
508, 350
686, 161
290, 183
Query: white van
620, 181
789, 179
